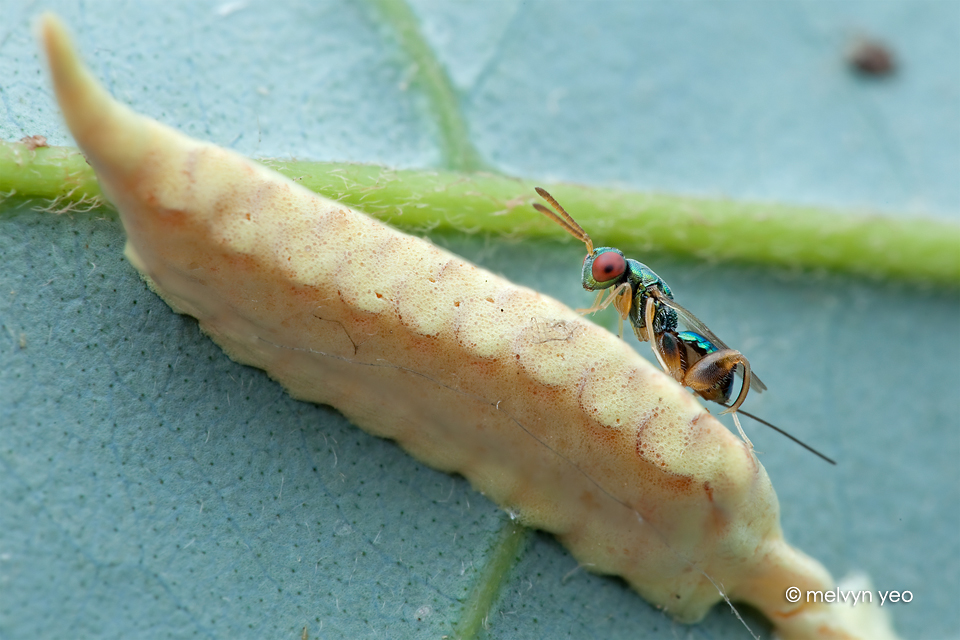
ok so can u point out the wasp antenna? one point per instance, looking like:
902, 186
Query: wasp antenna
576, 233
560, 221
564, 219
563, 212
784, 433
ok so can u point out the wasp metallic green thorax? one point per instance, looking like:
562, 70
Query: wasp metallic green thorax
607, 267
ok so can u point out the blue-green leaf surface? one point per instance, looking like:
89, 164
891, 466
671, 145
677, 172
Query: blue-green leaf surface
150, 487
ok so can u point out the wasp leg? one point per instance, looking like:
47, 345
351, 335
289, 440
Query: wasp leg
622, 301
743, 435
641, 333
708, 371
672, 356
597, 305
620, 297
655, 342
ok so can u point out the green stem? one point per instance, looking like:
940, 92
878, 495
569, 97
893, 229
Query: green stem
49, 173
915, 249
455, 146
918, 250
489, 584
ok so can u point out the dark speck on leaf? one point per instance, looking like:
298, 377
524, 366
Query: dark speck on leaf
872, 58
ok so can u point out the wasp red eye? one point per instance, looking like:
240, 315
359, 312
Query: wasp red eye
608, 266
